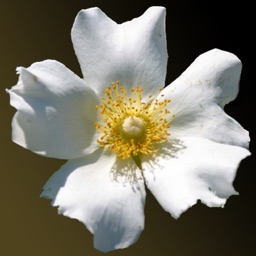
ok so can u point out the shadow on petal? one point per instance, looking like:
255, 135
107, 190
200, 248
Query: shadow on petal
59, 178
168, 150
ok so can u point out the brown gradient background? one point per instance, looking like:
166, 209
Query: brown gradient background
31, 31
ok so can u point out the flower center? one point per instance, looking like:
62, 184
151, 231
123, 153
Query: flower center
133, 127
129, 126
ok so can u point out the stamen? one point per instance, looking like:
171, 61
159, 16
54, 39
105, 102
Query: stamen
131, 127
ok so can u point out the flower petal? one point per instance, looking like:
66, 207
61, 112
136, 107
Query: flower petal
112, 210
133, 53
196, 168
199, 95
56, 111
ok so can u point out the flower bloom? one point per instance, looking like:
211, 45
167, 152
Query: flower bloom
121, 130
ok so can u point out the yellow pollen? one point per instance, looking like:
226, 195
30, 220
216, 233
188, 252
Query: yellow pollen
129, 126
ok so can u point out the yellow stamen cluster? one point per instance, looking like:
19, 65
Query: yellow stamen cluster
129, 126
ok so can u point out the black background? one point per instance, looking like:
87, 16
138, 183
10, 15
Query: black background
31, 31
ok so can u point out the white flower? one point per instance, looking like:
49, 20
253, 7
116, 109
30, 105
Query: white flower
120, 132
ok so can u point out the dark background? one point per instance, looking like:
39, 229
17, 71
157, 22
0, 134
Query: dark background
31, 31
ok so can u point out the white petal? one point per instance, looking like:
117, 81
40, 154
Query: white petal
199, 95
194, 169
113, 211
56, 111
133, 53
